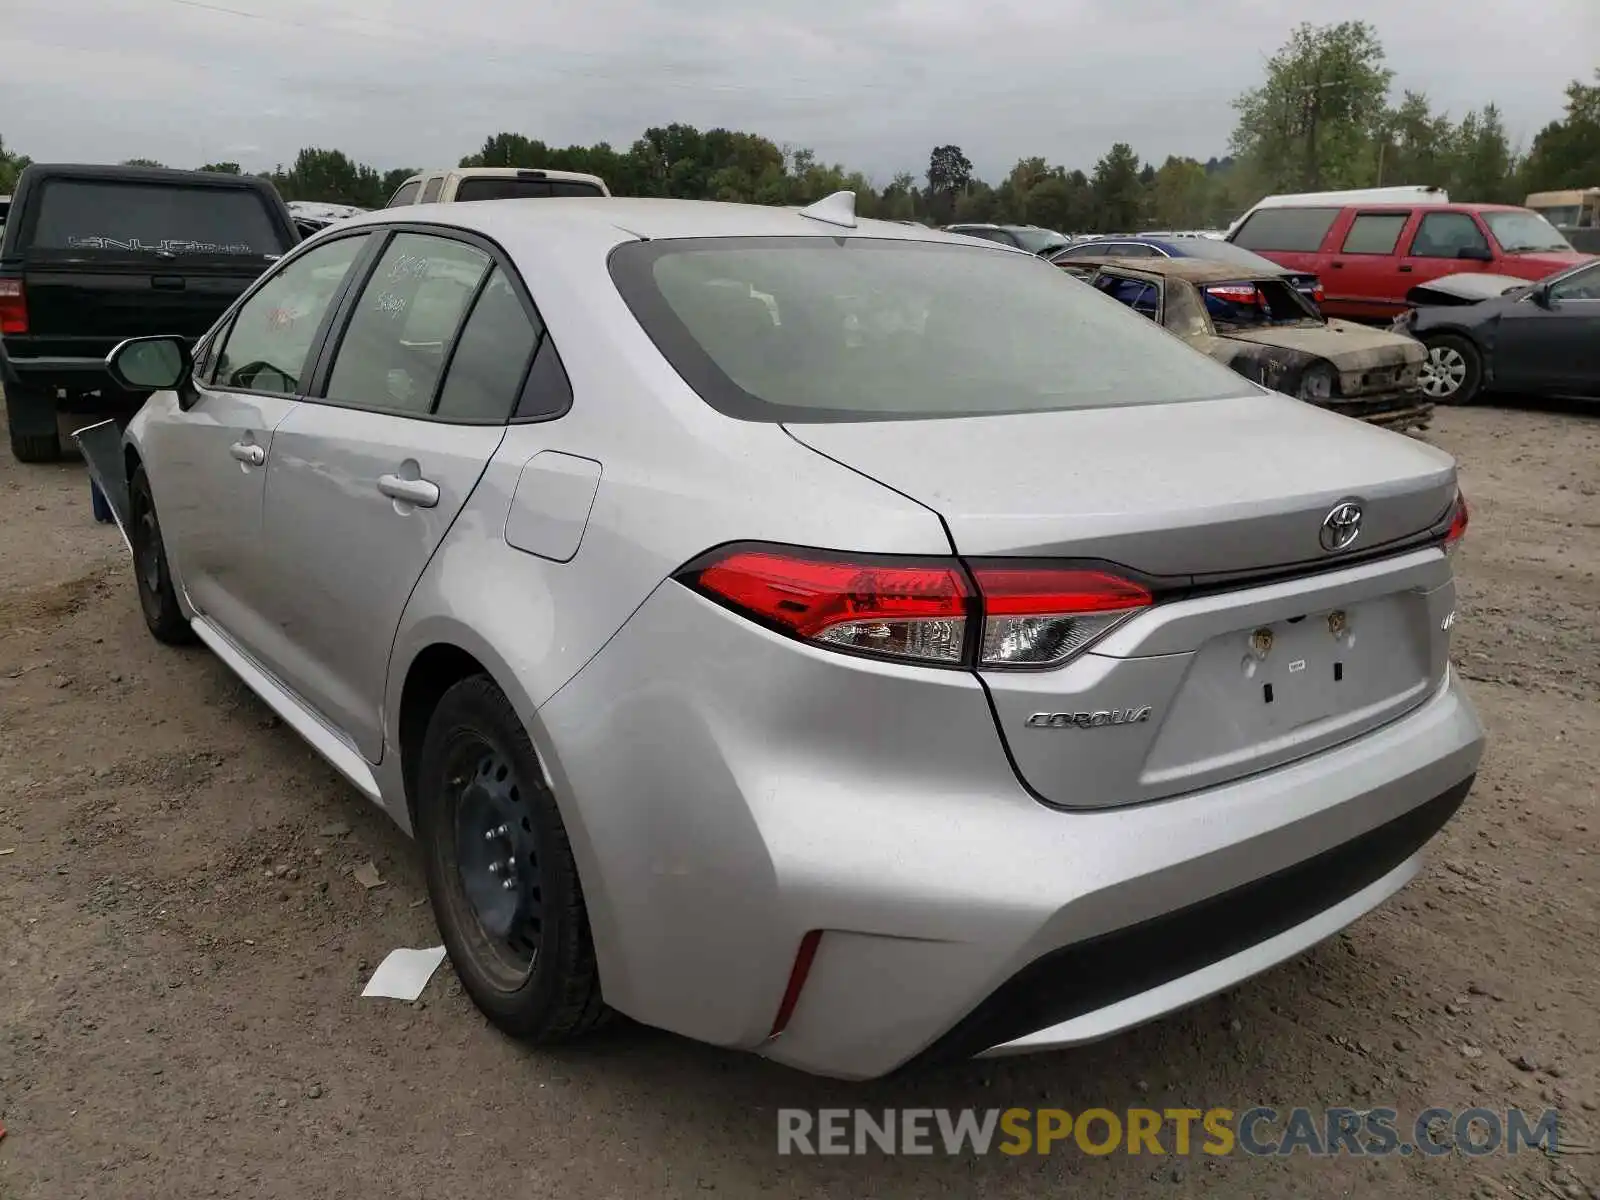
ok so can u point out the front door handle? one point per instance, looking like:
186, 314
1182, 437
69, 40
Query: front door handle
248, 453
411, 491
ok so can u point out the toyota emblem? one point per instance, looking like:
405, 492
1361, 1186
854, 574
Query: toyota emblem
1341, 527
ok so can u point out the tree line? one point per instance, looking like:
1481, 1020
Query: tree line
1324, 117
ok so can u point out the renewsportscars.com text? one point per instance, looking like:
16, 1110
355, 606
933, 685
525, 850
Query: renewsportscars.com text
1258, 1132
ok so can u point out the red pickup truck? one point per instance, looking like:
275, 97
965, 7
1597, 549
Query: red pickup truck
1369, 256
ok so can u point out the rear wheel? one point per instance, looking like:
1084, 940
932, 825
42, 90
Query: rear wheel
31, 424
1453, 372
500, 870
158, 599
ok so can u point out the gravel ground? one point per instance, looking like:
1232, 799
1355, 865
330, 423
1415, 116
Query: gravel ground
182, 945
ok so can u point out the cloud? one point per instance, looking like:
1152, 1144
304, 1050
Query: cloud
873, 84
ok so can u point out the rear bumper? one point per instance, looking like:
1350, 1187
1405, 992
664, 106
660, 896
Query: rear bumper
724, 804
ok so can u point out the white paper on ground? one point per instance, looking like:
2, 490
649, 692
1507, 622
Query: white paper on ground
404, 974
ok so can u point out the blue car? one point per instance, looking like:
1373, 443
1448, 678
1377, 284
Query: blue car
1144, 245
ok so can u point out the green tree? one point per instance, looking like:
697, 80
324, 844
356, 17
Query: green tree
1483, 165
1566, 153
141, 162
222, 168
1180, 195
1118, 194
1310, 125
1415, 144
331, 177
11, 166
949, 175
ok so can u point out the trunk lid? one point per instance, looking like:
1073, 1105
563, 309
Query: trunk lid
1263, 649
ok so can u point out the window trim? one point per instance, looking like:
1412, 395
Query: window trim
1399, 234
1490, 244
357, 266
437, 183
333, 336
393, 200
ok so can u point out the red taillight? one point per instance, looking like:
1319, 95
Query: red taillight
898, 609
1458, 524
919, 610
1237, 293
13, 307
797, 980
1318, 294
1042, 616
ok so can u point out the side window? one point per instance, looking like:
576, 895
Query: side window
430, 190
1580, 285
403, 322
491, 358
1138, 294
267, 347
1080, 250
407, 194
1446, 234
1296, 230
1375, 233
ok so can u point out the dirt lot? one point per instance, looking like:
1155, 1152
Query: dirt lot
182, 946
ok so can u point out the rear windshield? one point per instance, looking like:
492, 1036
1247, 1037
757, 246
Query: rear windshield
862, 329
507, 188
1281, 229
1217, 250
157, 219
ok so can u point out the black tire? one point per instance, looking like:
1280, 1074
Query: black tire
482, 804
158, 600
31, 424
1453, 373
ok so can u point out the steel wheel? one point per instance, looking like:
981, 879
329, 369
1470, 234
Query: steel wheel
497, 860
1443, 373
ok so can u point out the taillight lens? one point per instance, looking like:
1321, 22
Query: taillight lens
1043, 616
920, 610
1237, 293
1317, 293
13, 307
885, 607
1458, 524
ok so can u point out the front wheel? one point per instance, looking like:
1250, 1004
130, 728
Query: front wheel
1453, 370
500, 870
158, 599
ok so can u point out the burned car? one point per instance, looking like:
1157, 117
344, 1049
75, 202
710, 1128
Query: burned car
1495, 333
1262, 328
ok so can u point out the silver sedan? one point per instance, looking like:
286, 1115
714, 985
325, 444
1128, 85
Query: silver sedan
831, 638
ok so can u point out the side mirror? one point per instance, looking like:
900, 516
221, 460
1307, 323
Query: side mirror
1541, 296
150, 364
1475, 254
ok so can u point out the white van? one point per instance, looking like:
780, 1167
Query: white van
448, 186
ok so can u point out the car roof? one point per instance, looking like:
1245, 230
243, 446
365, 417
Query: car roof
622, 219
1400, 206
1195, 270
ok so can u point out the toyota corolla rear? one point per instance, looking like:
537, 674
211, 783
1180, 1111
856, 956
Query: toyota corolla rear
1166, 700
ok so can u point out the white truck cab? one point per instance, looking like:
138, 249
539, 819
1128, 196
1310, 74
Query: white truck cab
493, 183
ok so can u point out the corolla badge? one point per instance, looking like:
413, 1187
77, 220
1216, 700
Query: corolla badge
1090, 720
1341, 527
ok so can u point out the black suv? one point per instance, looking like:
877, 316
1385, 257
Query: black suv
91, 255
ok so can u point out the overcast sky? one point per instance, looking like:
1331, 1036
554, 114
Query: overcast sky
870, 83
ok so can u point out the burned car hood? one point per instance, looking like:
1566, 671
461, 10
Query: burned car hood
1346, 345
1464, 289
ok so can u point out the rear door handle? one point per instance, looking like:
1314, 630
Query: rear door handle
1336, 264
248, 453
412, 491
1404, 270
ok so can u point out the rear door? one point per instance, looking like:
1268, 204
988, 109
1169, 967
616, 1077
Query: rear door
208, 464
1435, 246
367, 476
109, 259
1362, 277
